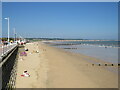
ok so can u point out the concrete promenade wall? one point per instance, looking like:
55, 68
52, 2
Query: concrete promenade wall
8, 69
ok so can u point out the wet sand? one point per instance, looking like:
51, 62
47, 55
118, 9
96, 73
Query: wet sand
56, 68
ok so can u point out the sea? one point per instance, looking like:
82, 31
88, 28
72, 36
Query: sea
106, 51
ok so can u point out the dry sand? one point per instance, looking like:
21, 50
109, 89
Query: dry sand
56, 68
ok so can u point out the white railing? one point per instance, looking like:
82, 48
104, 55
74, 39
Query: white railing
4, 49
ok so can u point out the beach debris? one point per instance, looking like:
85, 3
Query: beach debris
26, 49
25, 74
112, 64
118, 64
23, 54
21, 59
99, 64
35, 51
105, 64
44, 49
105, 47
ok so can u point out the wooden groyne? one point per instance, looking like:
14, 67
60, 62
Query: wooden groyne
59, 44
69, 48
67, 44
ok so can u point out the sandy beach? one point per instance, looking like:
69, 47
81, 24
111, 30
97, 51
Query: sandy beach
55, 68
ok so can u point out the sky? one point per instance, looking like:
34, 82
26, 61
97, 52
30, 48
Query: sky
84, 20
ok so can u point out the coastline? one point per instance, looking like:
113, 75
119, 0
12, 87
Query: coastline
55, 68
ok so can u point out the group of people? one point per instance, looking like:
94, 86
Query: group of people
6, 42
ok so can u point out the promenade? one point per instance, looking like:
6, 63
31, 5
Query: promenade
4, 49
8, 56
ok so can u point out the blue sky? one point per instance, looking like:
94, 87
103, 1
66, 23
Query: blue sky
86, 20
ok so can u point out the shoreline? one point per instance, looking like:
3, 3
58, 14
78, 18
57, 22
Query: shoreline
95, 60
56, 68
106, 55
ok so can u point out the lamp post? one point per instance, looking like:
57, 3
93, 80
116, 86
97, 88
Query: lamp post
14, 35
8, 28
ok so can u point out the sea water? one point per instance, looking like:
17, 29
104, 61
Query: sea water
103, 50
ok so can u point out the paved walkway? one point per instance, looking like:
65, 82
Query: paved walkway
4, 49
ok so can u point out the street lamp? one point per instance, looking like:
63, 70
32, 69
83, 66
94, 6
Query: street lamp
14, 35
8, 28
